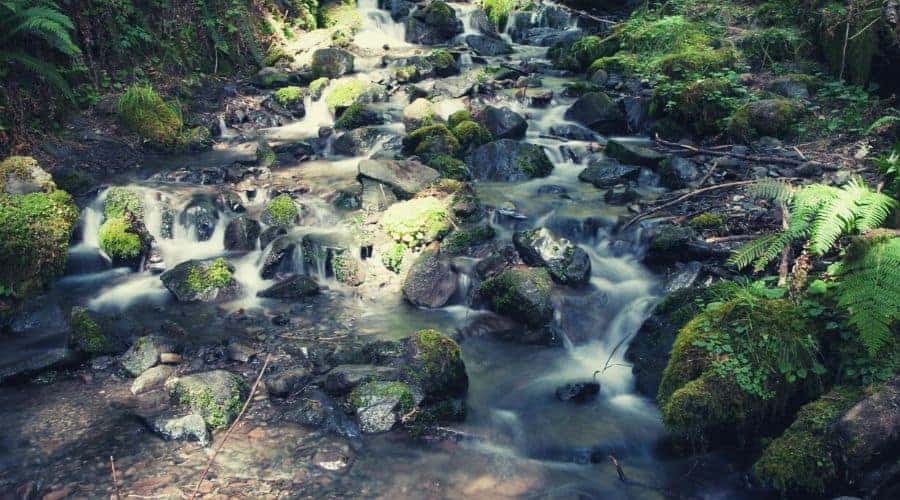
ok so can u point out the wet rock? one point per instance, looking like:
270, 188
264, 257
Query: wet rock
201, 216
679, 244
404, 178
480, 22
39, 332
357, 142
375, 197
621, 195
419, 113
510, 161
216, 395
145, 352
333, 458
270, 78
454, 87
630, 153
568, 264
240, 351
379, 405
279, 256
187, 428
578, 392
152, 378
574, 132
870, 431
432, 24
286, 382
430, 282
485, 45
331, 63
433, 363
344, 378
597, 111
296, 287
316, 409
502, 123
677, 173
522, 293
271, 234
23, 175
241, 234
202, 281
606, 174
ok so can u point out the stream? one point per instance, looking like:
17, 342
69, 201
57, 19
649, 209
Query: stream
519, 439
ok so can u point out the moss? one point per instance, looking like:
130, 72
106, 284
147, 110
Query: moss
523, 294
695, 60
458, 117
36, 229
359, 397
406, 74
317, 86
86, 334
438, 362
462, 239
708, 221
766, 46
265, 155
703, 104
274, 55
345, 93
449, 167
217, 275
356, 116
443, 61
471, 134
287, 96
498, 11
346, 268
416, 221
533, 161
143, 111
393, 257
216, 414
340, 14
803, 460
117, 240
772, 117
579, 55
120, 200
280, 211
624, 63
24, 168
431, 140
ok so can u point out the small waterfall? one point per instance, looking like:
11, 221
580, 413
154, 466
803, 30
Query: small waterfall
379, 29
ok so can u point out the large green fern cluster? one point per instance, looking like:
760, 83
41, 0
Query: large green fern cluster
817, 214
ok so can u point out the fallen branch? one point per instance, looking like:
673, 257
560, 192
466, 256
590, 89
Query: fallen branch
585, 14
619, 469
712, 169
233, 426
751, 158
115, 479
734, 237
648, 213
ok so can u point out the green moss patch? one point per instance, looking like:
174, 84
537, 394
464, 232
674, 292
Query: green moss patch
118, 241
287, 96
460, 240
280, 211
431, 140
417, 221
362, 395
392, 258
86, 336
449, 167
120, 200
143, 111
217, 275
471, 134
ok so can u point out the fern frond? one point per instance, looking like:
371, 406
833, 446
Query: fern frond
873, 209
771, 189
45, 71
751, 251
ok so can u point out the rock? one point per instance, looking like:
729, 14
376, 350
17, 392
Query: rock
201, 216
432, 24
344, 378
404, 178
869, 432
279, 255
509, 161
331, 63
39, 332
241, 234
379, 405
430, 282
522, 293
270, 78
188, 428
358, 142
480, 22
418, 221
144, 353
568, 264
788, 87
23, 175
151, 379
296, 287
573, 131
358, 115
621, 195
216, 395
202, 281
775, 118
679, 244
240, 351
599, 77
170, 358
316, 409
630, 153
677, 173
578, 392
485, 45
333, 458
502, 123
418, 114
606, 174
433, 362
598, 112
286, 382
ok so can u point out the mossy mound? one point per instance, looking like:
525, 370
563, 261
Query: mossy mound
462, 239
356, 116
708, 221
804, 459
204, 281
458, 117
317, 87
119, 241
471, 135
704, 104
280, 212
450, 167
120, 200
435, 364
523, 294
216, 395
343, 94
143, 111
431, 140
735, 365
287, 96
347, 269
444, 63
392, 258
417, 221
579, 55
770, 117
87, 337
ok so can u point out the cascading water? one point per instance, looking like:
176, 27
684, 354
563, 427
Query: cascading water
379, 30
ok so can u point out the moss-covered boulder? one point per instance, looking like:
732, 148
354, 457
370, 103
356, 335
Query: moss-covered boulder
737, 366
144, 353
510, 161
281, 211
380, 405
203, 281
431, 140
216, 395
767, 117
522, 293
347, 268
471, 135
434, 363
86, 335
142, 110
567, 263
464, 238
443, 62
433, 24
418, 114
358, 115
630, 153
124, 239
449, 167
341, 95
331, 63
598, 112
36, 228
417, 221
290, 99
317, 88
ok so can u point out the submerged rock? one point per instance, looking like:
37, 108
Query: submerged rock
201, 281
404, 178
510, 161
430, 282
578, 392
295, 287
568, 264
145, 353
216, 395
187, 428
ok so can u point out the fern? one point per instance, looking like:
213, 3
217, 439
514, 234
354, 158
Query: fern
868, 288
771, 189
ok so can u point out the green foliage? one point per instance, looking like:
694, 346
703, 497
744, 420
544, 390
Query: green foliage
450, 167
143, 111
120, 200
704, 103
460, 240
846, 109
582, 53
287, 96
393, 257
768, 46
117, 240
280, 211
708, 221
888, 164
417, 221
217, 414
458, 117
498, 11
431, 140
86, 334
34, 36
471, 134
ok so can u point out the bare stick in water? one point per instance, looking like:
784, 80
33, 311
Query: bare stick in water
619, 470
115, 479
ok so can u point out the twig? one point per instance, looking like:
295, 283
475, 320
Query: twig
802, 156
784, 267
586, 15
233, 426
709, 173
645, 214
115, 478
619, 469
734, 237
844, 51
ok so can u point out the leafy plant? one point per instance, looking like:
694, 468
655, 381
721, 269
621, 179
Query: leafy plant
888, 165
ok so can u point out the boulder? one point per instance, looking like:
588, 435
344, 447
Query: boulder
522, 293
433, 24
201, 216
485, 45
241, 234
331, 63
631, 153
430, 282
279, 256
314, 408
404, 178
38, 335
379, 405
152, 378
578, 392
284, 383
216, 395
433, 362
145, 352
679, 244
573, 131
502, 123
419, 113
676, 172
869, 432
344, 378
568, 264
605, 174
510, 161
358, 142
190, 427
202, 281
598, 112
296, 287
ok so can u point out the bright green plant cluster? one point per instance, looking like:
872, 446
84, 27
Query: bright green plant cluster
217, 275
361, 396
143, 111
393, 257
461, 239
471, 134
450, 167
431, 140
287, 96
281, 211
120, 200
417, 221
86, 333
217, 415
118, 241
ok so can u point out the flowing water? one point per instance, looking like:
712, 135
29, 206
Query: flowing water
519, 439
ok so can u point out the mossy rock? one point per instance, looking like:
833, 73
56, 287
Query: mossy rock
450, 167
458, 117
347, 269
290, 95
471, 134
417, 221
317, 87
358, 115
769, 117
462, 239
332, 63
380, 405
121, 242
142, 110
418, 114
86, 334
704, 104
431, 140
120, 200
22, 175
444, 63
393, 256
522, 293
579, 55
434, 363
708, 221
216, 395
345, 93
203, 281
281, 211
